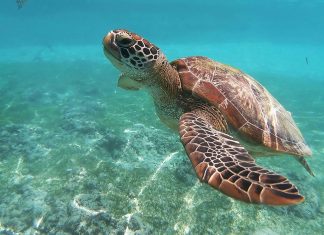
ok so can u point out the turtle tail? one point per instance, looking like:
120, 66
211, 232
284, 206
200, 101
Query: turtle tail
302, 161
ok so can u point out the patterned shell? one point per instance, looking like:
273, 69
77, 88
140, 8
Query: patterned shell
247, 105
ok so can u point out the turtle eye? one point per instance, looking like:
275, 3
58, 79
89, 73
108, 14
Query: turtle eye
123, 41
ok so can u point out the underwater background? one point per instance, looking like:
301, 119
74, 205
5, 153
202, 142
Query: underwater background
80, 156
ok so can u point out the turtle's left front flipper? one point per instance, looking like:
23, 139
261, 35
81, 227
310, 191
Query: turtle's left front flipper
223, 163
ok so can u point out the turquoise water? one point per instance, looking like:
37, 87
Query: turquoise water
80, 156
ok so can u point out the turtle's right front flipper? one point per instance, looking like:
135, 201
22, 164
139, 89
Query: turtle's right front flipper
223, 163
128, 83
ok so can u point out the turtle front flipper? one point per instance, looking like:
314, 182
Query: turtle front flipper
128, 83
224, 163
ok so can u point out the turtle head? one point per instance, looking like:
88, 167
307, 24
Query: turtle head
130, 53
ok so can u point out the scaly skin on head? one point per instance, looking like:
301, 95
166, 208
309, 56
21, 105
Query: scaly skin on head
143, 62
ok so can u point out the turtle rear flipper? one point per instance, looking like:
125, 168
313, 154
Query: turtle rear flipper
223, 163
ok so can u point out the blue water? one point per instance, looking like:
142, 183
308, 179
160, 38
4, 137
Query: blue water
80, 156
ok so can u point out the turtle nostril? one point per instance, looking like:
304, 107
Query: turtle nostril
107, 40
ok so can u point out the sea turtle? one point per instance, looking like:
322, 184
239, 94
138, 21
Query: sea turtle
224, 117
20, 3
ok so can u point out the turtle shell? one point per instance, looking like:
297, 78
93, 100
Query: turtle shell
246, 105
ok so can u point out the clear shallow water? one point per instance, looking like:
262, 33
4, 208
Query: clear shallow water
78, 155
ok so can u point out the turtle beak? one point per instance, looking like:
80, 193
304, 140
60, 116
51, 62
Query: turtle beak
109, 46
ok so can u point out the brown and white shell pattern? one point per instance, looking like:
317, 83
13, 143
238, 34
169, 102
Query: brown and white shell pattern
246, 104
